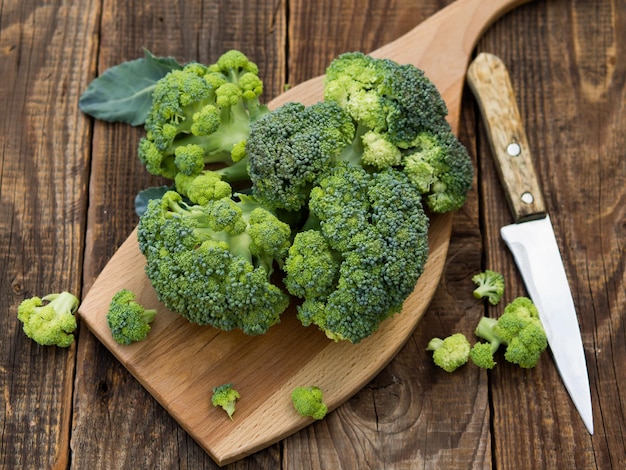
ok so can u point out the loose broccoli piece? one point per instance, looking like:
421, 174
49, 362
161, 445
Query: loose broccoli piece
128, 320
212, 263
482, 355
490, 284
367, 234
309, 401
519, 328
450, 353
400, 120
49, 320
225, 396
202, 115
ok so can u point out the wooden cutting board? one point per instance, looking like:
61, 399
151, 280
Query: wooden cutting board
180, 363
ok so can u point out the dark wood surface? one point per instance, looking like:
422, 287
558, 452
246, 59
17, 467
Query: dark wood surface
67, 186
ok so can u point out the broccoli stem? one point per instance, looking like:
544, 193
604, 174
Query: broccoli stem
62, 303
484, 330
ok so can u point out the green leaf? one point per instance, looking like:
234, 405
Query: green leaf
123, 93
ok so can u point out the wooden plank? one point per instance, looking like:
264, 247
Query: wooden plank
44, 150
568, 74
105, 391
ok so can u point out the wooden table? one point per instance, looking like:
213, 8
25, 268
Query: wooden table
67, 188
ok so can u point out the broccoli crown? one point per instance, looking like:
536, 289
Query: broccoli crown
49, 320
368, 234
490, 285
309, 401
520, 329
128, 320
291, 146
400, 120
386, 97
212, 263
200, 115
450, 353
225, 397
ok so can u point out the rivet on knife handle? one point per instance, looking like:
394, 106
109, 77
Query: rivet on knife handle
487, 76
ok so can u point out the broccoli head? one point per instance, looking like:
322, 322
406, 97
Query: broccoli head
520, 329
225, 396
368, 234
212, 263
309, 401
450, 353
49, 320
489, 284
291, 146
400, 121
201, 115
128, 321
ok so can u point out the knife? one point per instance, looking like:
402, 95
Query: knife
531, 238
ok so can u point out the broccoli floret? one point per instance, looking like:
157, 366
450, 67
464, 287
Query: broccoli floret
520, 329
201, 115
450, 353
489, 284
49, 320
439, 165
291, 146
212, 263
225, 397
309, 401
368, 234
482, 355
400, 120
128, 320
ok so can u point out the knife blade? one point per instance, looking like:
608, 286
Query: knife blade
531, 237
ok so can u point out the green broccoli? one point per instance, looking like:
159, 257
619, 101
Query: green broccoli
490, 284
128, 320
400, 120
212, 263
368, 234
450, 353
519, 328
290, 147
309, 401
225, 397
202, 115
49, 320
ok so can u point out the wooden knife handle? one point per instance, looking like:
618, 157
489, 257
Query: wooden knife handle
489, 81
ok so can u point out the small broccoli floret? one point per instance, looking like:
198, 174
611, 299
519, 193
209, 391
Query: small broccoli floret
291, 146
212, 263
368, 232
49, 320
128, 320
520, 329
201, 115
482, 355
450, 353
309, 401
225, 397
490, 284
